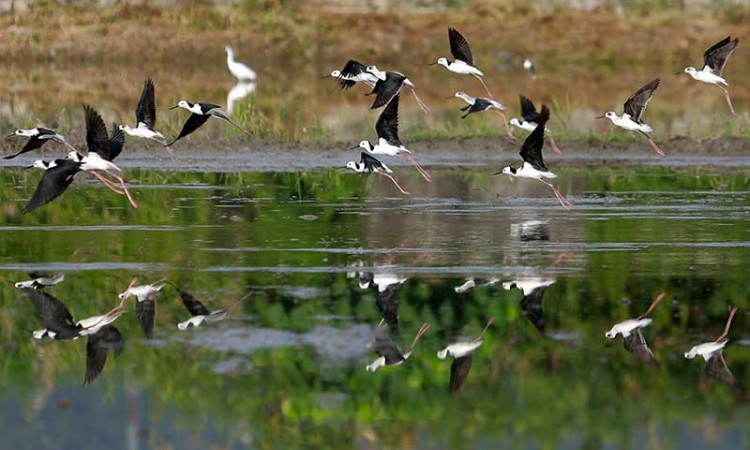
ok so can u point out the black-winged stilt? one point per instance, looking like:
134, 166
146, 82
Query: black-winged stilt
462, 354
389, 85
389, 354
388, 140
58, 321
475, 282
198, 311
145, 116
633, 339
479, 104
98, 346
714, 61
40, 281
533, 289
713, 354
370, 164
102, 150
533, 165
463, 60
58, 175
145, 305
353, 72
632, 115
201, 112
37, 137
239, 70
529, 116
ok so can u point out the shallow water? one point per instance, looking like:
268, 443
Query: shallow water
286, 369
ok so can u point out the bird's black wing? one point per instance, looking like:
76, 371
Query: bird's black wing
107, 339
716, 57
460, 368
116, 142
637, 345
388, 89
146, 311
194, 122
385, 347
97, 139
371, 163
351, 69
145, 112
636, 104
716, 366
531, 150
531, 308
479, 105
54, 315
459, 47
528, 110
53, 183
32, 144
387, 124
195, 307
387, 303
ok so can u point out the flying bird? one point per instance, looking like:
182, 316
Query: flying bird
145, 117
58, 175
635, 106
533, 165
480, 104
463, 60
389, 354
388, 141
462, 354
37, 138
58, 321
145, 305
475, 282
201, 112
528, 121
352, 73
713, 354
107, 340
40, 281
198, 311
389, 85
370, 164
714, 61
239, 70
633, 339
533, 290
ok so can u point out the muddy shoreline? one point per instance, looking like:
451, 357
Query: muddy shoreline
238, 155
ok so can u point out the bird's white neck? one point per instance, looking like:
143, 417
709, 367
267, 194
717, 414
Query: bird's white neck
358, 167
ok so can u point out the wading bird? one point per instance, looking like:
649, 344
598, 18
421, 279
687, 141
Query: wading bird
389, 354
198, 311
633, 110
480, 104
40, 281
145, 117
101, 153
353, 72
714, 61
389, 85
37, 137
463, 60
370, 164
58, 321
713, 354
201, 112
388, 141
529, 116
239, 70
145, 305
58, 175
462, 354
533, 165
633, 339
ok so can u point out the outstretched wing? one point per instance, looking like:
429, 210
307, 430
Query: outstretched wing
53, 183
636, 104
388, 89
528, 110
531, 308
371, 163
387, 124
387, 303
460, 368
194, 122
53, 314
98, 345
116, 142
459, 47
385, 347
350, 70
531, 150
97, 139
145, 112
637, 345
716, 57
193, 306
716, 366
146, 311
32, 144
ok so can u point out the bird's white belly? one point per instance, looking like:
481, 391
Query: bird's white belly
144, 132
709, 77
463, 68
384, 148
528, 126
628, 124
527, 171
626, 327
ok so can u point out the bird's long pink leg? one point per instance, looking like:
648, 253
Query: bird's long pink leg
563, 202
728, 325
171, 155
555, 148
236, 125
485, 86
421, 104
729, 100
653, 145
508, 128
71, 147
108, 183
651, 307
395, 182
124, 188
414, 162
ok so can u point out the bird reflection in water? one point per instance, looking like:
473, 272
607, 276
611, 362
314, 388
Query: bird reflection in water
533, 289
238, 92
462, 354
713, 354
633, 339
389, 353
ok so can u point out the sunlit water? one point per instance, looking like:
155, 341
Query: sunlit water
286, 369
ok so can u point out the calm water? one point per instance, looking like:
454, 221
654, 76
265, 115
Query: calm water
286, 369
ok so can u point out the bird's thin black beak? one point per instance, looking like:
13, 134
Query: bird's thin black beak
599, 117
28, 167
432, 64
451, 96
498, 173
10, 135
324, 76
353, 148
678, 73
175, 106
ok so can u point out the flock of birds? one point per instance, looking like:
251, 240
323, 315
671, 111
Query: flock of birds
103, 148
